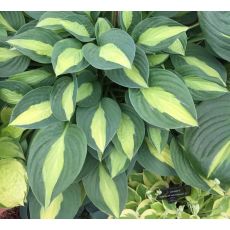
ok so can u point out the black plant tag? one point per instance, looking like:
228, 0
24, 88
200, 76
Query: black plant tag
172, 194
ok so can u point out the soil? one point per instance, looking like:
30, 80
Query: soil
9, 213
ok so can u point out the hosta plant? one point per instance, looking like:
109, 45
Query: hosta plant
86, 97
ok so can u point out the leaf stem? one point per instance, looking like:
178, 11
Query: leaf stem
193, 26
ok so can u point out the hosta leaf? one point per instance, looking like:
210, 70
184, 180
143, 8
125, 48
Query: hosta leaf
130, 133
160, 163
28, 26
36, 43
55, 161
78, 25
208, 146
116, 162
67, 57
12, 92
158, 137
108, 194
11, 21
102, 25
12, 61
89, 89
64, 206
136, 77
13, 183
201, 86
93, 15
116, 49
3, 33
35, 14
35, 77
149, 214
52, 20
144, 205
215, 27
178, 46
10, 148
63, 98
221, 208
89, 164
34, 110
129, 19
128, 214
156, 34
99, 123
167, 102
11, 131
157, 59
184, 169
199, 57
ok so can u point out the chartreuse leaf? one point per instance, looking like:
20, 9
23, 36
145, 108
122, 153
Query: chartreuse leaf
10, 148
215, 27
157, 59
108, 194
129, 19
78, 25
136, 77
167, 102
67, 57
130, 133
116, 162
102, 25
156, 34
34, 110
208, 147
221, 208
201, 86
89, 89
100, 123
199, 57
12, 61
35, 43
160, 163
64, 206
12, 20
55, 161
158, 137
116, 49
63, 98
12, 92
35, 77
13, 183
128, 214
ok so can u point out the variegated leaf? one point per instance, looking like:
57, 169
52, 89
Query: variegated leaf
55, 161
67, 57
100, 123
156, 34
167, 102
137, 76
36, 43
63, 98
116, 49
34, 110
108, 194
